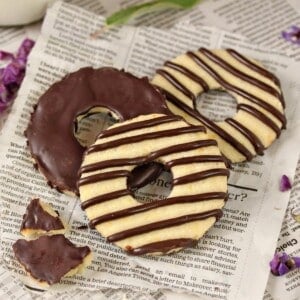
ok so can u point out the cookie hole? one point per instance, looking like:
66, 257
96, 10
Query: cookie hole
87, 126
150, 182
217, 105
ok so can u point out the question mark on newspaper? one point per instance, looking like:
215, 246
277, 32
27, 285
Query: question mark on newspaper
243, 196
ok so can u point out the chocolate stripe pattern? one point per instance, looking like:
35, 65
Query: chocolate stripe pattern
256, 90
165, 225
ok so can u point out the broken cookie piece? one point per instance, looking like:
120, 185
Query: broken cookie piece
40, 219
49, 258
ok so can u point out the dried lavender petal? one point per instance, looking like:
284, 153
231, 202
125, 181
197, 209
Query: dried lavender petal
5, 55
282, 269
285, 184
3, 107
274, 264
292, 34
13, 74
25, 49
296, 261
282, 263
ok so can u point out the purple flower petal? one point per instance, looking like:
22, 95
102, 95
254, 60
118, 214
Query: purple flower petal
6, 55
283, 263
296, 261
292, 34
285, 184
13, 74
25, 49
283, 269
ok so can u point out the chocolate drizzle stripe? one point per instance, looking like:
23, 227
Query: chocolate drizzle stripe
162, 246
231, 69
138, 125
149, 206
195, 159
176, 84
189, 74
103, 198
258, 69
217, 213
152, 156
254, 140
279, 115
210, 125
201, 176
253, 66
146, 136
102, 177
260, 116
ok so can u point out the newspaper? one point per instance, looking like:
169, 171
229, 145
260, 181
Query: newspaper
260, 21
231, 262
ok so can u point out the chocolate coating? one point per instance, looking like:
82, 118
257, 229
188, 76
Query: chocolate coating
37, 218
49, 258
50, 131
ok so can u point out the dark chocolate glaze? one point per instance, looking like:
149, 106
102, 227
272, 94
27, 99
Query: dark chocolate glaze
152, 156
244, 60
260, 116
149, 206
189, 74
50, 131
254, 81
143, 174
257, 144
103, 176
162, 247
37, 218
145, 136
49, 258
195, 159
138, 125
104, 197
176, 83
201, 176
237, 90
217, 213
210, 125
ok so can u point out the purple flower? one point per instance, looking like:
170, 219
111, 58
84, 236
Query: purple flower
25, 49
285, 184
12, 75
292, 35
283, 263
6, 55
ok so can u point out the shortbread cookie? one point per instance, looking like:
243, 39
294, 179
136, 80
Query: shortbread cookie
260, 104
40, 219
49, 258
199, 184
50, 133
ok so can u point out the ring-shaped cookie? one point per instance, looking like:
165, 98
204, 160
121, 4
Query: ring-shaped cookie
199, 184
260, 105
50, 133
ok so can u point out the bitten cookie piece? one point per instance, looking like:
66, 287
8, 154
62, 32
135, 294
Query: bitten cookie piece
260, 105
40, 219
49, 258
199, 184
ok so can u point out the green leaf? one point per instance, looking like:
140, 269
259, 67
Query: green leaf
124, 15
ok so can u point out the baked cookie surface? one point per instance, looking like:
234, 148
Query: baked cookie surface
199, 184
260, 104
